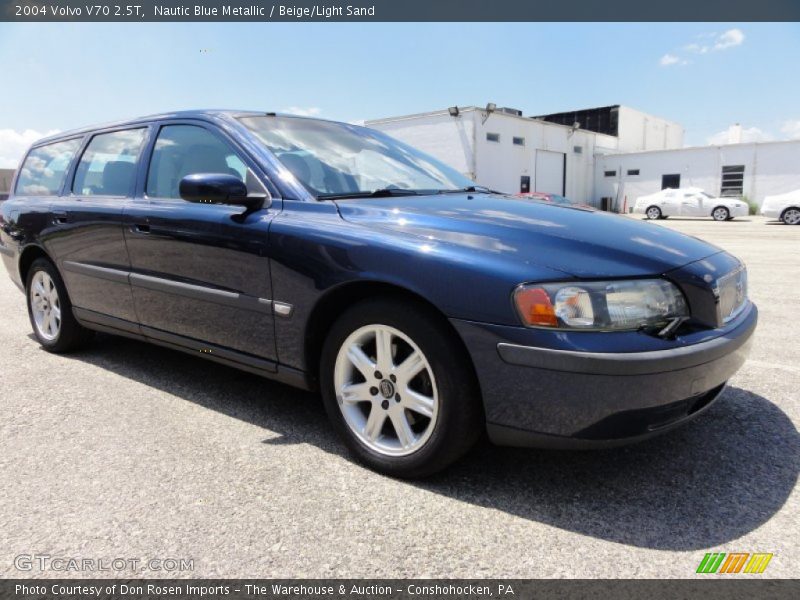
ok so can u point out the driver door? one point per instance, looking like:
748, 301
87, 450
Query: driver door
200, 272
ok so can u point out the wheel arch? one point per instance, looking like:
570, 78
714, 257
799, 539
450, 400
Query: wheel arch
656, 206
327, 309
790, 207
27, 256
716, 206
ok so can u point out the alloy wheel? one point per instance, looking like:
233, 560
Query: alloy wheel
720, 214
653, 212
791, 216
386, 390
45, 306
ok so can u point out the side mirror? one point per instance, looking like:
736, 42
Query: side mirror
217, 188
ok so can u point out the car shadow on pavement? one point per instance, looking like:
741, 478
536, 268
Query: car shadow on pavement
705, 484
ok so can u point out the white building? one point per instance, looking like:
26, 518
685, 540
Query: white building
751, 170
6, 175
604, 156
506, 151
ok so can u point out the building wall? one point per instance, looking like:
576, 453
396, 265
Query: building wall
449, 139
639, 132
461, 142
500, 165
6, 175
769, 168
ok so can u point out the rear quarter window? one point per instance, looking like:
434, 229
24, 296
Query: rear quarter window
44, 168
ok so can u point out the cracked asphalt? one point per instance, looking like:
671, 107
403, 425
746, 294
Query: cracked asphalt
134, 451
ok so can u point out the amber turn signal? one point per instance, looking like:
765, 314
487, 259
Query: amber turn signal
535, 307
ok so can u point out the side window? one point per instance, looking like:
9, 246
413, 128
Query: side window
183, 150
43, 171
108, 166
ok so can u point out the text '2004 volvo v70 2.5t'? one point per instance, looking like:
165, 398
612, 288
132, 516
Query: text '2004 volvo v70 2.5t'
425, 308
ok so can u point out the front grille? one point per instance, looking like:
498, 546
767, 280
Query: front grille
731, 290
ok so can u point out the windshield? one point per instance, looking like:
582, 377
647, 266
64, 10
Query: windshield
336, 159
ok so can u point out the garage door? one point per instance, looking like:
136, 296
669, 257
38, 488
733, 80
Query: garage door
549, 172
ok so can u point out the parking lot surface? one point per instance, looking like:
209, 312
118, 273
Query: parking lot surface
134, 451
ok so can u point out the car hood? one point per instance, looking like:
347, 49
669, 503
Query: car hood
578, 242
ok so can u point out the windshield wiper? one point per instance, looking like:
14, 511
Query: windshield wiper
472, 188
380, 193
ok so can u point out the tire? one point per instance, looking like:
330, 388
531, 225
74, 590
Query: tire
791, 216
720, 213
653, 213
663, 217
50, 310
437, 408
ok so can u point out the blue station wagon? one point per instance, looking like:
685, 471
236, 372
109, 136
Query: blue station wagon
426, 309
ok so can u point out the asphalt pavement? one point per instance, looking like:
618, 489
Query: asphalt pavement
132, 451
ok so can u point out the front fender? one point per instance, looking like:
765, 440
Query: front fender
313, 251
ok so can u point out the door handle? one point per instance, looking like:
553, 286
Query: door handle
60, 217
141, 228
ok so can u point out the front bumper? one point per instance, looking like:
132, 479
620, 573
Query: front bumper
537, 396
740, 211
772, 213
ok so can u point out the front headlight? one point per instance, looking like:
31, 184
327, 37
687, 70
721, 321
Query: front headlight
600, 305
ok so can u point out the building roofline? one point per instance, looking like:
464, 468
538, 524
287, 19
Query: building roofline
577, 110
465, 109
429, 113
608, 107
706, 147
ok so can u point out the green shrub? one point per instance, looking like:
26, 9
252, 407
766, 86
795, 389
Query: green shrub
753, 206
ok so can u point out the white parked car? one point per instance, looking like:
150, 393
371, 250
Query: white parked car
785, 207
689, 202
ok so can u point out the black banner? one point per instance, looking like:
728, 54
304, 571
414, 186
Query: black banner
713, 588
136, 11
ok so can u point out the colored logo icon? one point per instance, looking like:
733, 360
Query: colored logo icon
734, 562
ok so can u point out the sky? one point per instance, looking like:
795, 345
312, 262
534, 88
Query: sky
704, 76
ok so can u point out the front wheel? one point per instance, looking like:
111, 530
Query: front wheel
399, 389
720, 213
791, 216
653, 213
50, 309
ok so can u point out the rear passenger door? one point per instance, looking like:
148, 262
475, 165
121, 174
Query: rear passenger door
90, 246
200, 272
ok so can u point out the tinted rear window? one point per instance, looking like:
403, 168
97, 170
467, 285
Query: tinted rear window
43, 171
108, 166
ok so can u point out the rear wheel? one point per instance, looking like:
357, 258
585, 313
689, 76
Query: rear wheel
721, 213
791, 216
653, 212
398, 388
50, 309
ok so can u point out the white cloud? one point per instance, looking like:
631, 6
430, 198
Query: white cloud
697, 48
309, 111
791, 129
749, 134
729, 39
669, 59
709, 42
13, 145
